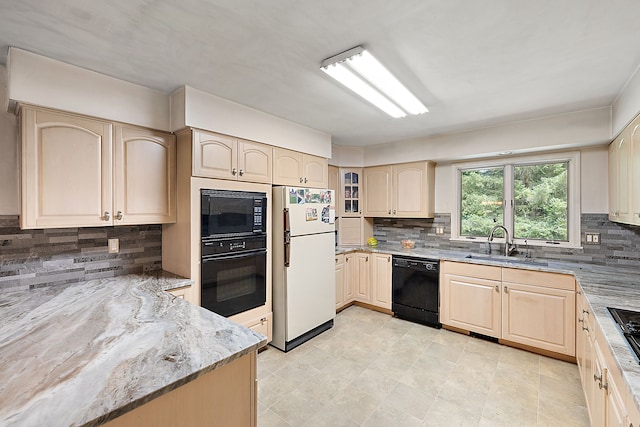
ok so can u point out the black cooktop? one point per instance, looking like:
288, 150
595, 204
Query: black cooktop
629, 322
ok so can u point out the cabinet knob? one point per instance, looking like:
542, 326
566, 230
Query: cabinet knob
497, 288
389, 211
300, 180
241, 172
305, 180
119, 215
389, 259
394, 211
234, 171
106, 216
264, 319
506, 290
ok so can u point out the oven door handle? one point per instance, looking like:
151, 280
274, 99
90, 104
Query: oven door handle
246, 254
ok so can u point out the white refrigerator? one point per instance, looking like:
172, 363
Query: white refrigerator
304, 290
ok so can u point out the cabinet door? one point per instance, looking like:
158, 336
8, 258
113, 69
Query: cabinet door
381, 280
315, 171
254, 162
619, 178
340, 281
616, 413
634, 141
144, 176
472, 304
411, 190
333, 183
598, 404
214, 155
377, 187
287, 167
363, 288
351, 277
350, 192
539, 317
354, 231
66, 170
584, 348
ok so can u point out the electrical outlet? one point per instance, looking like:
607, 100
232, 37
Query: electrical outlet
592, 238
440, 230
114, 246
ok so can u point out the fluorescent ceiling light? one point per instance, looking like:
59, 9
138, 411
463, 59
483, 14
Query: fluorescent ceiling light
358, 70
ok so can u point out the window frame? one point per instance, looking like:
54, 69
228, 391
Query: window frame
573, 196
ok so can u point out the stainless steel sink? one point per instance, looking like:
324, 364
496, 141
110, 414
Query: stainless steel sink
507, 260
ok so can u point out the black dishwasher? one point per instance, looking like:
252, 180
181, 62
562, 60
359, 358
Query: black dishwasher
415, 285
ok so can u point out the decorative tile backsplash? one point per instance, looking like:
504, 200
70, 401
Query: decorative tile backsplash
620, 243
30, 258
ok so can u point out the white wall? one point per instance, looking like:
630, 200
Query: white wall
194, 108
578, 129
627, 105
347, 156
39, 80
9, 191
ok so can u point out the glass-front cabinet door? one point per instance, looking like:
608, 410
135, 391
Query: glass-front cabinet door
351, 189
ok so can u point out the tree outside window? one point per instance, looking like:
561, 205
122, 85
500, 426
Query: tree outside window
540, 201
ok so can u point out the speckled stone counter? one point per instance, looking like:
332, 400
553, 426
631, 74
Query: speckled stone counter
602, 286
85, 353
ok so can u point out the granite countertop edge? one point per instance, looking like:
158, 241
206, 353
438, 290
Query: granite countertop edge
115, 343
603, 286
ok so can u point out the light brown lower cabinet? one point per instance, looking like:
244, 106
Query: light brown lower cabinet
363, 277
226, 396
531, 308
608, 403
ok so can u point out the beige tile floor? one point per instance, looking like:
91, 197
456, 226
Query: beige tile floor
371, 369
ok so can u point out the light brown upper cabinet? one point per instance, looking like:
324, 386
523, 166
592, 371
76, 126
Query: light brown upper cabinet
74, 174
634, 145
299, 169
351, 192
405, 190
619, 178
226, 157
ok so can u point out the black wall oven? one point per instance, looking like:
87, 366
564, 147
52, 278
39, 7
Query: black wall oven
233, 269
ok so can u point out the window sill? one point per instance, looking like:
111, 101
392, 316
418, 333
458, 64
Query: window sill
520, 243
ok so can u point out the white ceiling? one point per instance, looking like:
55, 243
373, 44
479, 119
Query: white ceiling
472, 63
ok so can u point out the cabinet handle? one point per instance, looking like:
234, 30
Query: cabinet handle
604, 386
394, 211
506, 290
305, 180
580, 320
264, 319
366, 259
119, 215
597, 378
585, 328
241, 172
234, 171
106, 216
300, 180
585, 312
389, 259
497, 288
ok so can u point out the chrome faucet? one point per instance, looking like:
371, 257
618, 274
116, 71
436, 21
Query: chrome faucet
508, 245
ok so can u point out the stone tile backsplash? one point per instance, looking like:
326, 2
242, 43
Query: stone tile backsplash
30, 258
620, 243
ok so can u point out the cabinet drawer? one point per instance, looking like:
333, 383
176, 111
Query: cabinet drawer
539, 278
488, 272
262, 325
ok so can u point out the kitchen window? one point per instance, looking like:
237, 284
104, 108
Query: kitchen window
536, 198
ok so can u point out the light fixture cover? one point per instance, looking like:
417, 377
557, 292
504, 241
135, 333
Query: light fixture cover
358, 70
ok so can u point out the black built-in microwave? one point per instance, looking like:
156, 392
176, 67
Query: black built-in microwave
228, 214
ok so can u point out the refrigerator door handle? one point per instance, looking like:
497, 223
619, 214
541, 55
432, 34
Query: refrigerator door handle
287, 238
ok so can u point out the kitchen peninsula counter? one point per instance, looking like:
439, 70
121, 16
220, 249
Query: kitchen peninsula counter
85, 353
603, 286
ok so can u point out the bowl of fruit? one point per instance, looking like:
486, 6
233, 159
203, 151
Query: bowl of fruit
372, 241
408, 244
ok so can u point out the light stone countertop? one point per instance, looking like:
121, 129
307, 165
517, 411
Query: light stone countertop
84, 353
602, 286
